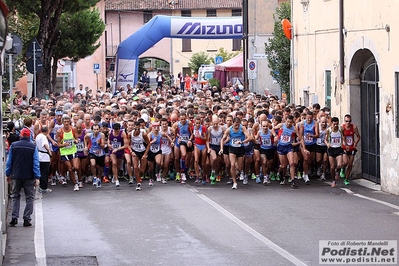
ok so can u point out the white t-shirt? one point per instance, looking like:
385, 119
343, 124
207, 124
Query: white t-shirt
42, 140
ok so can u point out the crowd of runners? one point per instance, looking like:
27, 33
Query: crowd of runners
212, 136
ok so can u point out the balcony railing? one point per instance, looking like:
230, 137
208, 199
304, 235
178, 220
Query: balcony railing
111, 50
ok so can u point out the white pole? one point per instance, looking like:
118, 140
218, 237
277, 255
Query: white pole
34, 68
10, 76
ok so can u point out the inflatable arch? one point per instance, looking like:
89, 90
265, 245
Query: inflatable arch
173, 27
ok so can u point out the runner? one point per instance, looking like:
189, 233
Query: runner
266, 139
286, 135
352, 138
321, 149
166, 147
155, 153
94, 148
116, 144
199, 139
215, 134
310, 131
67, 139
334, 141
238, 136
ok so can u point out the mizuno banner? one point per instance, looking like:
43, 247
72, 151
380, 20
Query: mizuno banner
206, 28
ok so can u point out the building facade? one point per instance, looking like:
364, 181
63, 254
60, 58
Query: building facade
345, 57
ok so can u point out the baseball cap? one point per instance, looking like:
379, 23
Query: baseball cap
25, 132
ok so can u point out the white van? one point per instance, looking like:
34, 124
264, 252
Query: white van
205, 73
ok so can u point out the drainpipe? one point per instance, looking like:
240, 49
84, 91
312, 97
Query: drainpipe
245, 41
341, 42
120, 31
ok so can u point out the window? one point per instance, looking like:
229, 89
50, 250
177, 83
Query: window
236, 45
236, 12
327, 85
211, 12
186, 45
186, 13
147, 15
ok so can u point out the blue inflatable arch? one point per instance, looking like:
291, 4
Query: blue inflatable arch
173, 27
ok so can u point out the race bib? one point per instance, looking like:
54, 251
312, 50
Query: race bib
154, 148
266, 142
98, 152
215, 141
184, 138
69, 142
285, 139
336, 141
80, 146
320, 141
138, 146
116, 145
308, 138
349, 140
165, 142
236, 142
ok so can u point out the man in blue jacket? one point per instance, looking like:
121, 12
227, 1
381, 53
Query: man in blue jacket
23, 169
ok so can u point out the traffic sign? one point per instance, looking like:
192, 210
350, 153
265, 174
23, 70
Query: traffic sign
218, 60
96, 68
252, 68
16, 46
34, 45
30, 67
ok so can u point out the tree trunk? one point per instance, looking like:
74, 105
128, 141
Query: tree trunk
48, 37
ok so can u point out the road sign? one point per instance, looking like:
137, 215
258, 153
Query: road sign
38, 49
252, 69
16, 46
218, 60
259, 56
30, 67
96, 68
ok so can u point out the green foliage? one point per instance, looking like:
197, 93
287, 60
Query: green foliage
278, 50
214, 82
161, 64
25, 28
197, 60
46, 20
80, 33
142, 62
225, 55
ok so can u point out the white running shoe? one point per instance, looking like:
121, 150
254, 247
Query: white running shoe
242, 176
76, 187
95, 181
138, 186
164, 181
245, 181
159, 179
322, 177
234, 186
80, 184
150, 183
117, 183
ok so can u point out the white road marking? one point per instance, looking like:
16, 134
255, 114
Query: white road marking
347, 190
40, 251
378, 201
253, 232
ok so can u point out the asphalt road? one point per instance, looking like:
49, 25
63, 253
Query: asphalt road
192, 224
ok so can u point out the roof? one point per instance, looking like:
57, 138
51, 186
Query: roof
166, 4
234, 64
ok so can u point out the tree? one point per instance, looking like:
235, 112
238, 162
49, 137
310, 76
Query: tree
48, 35
225, 55
278, 50
77, 44
197, 60
25, 28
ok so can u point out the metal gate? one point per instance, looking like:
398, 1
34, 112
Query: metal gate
370, 117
